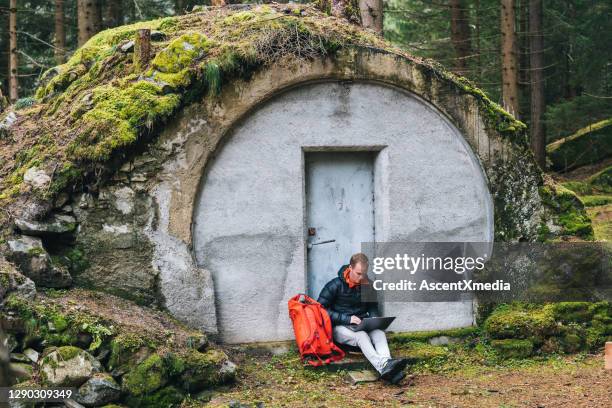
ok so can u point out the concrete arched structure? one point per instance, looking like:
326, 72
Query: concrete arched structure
198, 132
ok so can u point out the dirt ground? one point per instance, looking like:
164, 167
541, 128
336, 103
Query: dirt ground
566, 381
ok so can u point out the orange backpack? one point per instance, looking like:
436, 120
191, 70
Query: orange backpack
313, 331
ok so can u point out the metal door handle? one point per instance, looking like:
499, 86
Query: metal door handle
310, 245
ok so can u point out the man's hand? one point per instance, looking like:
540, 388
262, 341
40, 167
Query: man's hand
355, 320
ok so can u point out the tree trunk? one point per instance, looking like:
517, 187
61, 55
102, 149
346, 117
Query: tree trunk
478, 47
179, 6
460, 35
536, 60
96, 16
86, 15
112, 14
338, 8
60, 33
371, 12
142, 49
13, 79
509, 61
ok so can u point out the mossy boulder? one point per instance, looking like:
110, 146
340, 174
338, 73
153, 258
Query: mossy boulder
513, 348
147, 377
68, 366
520, 322
568, 312
203, 370
587, 146
98, 390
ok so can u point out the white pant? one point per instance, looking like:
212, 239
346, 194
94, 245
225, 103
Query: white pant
373, 344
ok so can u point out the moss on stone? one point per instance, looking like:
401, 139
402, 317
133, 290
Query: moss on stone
68, 352
424, 336
418, 352
200, 370
569, 210
570, 312
513, 348
520, 322
147, 377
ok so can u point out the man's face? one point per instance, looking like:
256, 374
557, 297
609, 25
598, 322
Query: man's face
359, 272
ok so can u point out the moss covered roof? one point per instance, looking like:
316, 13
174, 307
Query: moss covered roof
99, 102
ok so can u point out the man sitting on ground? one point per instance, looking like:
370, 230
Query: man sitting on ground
342, 299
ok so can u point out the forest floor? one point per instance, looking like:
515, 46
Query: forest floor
467, 380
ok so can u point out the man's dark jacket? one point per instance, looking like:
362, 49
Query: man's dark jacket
342, 302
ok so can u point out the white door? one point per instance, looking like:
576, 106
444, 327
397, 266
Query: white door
340, 209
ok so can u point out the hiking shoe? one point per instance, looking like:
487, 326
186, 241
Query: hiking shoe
392, 367
398, 377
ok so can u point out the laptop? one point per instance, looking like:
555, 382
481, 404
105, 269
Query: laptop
372, 323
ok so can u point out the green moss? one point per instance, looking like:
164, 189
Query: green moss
168, 396
200, 370
117, 116
123, 346
173, 64
420, 352
147, 377
68, 352
513, 348
520, 322
602, 181
569, 210
578, 187
424, 336
589, 145
570, 312
596, 200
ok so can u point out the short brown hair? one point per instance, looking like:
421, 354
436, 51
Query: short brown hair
359, 258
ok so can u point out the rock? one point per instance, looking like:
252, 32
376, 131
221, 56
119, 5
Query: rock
98, 390
56, 224
127, 47
158, 36
138, 177
204, 370
361, 376
36, 177
61, 200
10, 342
146, 377
21, 371
198, 342
66, 209
70, 403
68, 366
20, 358
123, 200
443, 340
7, 123
35, 263
31, 354
11, 281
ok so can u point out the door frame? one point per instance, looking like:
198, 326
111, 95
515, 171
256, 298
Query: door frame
381, 196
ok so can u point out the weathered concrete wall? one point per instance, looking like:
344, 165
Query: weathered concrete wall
249, 220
